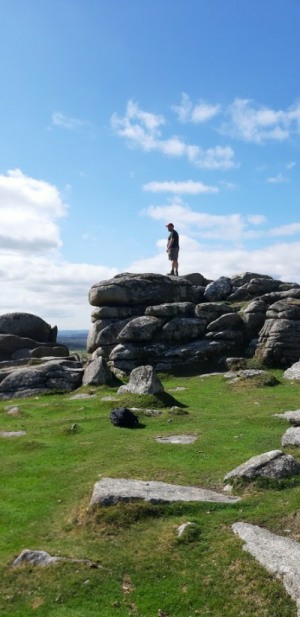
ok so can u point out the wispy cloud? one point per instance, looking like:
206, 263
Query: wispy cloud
189, 187
258, 123
279, 179
286, 230
144, 130
198, 113
67, 122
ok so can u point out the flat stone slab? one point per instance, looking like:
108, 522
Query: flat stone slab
279, 555
291, 416
109, 491
12, 433
178, 439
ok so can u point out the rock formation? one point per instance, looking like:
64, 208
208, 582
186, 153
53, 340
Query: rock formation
31, 361
190, 324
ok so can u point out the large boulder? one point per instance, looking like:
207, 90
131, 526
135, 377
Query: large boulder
133, 289
143, 380
28, 326
58, 375
279, 338
273, 465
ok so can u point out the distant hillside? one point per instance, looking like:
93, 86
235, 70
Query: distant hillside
73, 339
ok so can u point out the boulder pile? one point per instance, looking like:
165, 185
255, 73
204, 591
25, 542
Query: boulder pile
190, 324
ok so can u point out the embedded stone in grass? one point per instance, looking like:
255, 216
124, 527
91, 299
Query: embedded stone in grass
279, 555
81, 396
178, 439
187, 528
291, 416
274, 465
291, 437
109, 491
37, 558
12, 411
12, 433
42, 558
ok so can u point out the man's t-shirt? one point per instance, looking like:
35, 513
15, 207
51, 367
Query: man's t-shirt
174, 235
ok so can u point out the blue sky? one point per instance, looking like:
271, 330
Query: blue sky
119, 116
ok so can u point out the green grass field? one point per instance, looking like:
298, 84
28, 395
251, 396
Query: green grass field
47, 478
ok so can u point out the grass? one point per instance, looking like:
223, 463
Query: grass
47, 479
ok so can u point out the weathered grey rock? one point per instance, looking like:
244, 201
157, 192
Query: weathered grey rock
93, 339
133, 289
109, 491
279, 555
209, 311
248, 373
291, 437
35, 558
218, 290
28, 326
42, 558
291, 416
55, 375
142, 380
115, 312
258, 285
274, 464
239, 280
279, 338
140, 329
96, 373
44, 351
172, 309
227, 321
236, 364
293, 372
182, 329
253, 316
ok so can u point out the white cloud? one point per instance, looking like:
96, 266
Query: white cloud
199, 113
29, 209
144, 130
257, 219
189, 187
279, 179
286, 230
258, 124
34, 276
277, 260
219, 157
66, 122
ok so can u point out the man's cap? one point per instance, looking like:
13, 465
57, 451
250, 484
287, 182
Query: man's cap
170, 225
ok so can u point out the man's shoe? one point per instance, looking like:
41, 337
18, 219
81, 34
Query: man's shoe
171, 273
176, 272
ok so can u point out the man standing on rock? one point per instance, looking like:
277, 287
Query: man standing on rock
173, 248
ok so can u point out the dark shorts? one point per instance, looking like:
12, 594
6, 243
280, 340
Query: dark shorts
173, 254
